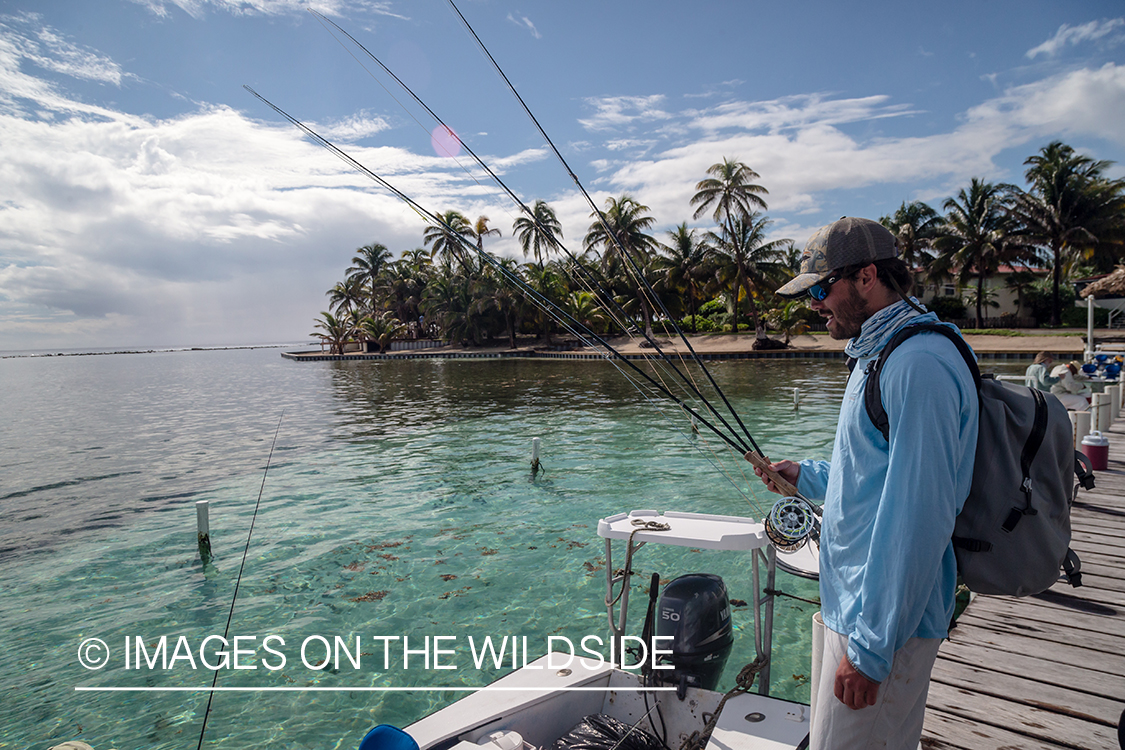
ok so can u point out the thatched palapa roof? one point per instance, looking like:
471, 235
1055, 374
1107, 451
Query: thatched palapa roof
1112, 285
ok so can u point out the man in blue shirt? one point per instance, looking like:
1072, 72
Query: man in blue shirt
887, 568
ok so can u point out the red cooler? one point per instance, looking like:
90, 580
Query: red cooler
1096, 447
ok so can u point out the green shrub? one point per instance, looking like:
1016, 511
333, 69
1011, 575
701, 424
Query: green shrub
713, 307
702, 325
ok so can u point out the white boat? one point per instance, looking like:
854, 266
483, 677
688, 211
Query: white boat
537, 704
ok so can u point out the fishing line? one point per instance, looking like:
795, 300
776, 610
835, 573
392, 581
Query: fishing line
545, 303
601, 216
238, 581
591, 283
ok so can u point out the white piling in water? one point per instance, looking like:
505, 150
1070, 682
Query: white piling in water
534, 456
796, 398
203, 529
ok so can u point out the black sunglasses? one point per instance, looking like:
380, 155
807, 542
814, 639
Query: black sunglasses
819, 291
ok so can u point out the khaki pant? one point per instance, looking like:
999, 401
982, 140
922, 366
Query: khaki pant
894, 722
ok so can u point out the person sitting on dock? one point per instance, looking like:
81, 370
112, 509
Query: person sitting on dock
1074, 395
887, 568
1038, 373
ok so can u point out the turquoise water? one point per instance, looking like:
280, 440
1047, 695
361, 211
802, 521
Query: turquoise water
399, 503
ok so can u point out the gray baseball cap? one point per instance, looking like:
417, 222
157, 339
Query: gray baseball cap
847, 242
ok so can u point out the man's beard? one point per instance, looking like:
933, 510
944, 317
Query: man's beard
849, 315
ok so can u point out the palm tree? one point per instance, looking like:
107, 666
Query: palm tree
684, 262
446, 301
974, 238
346, 295
382, 328
1020, 281
915, 226
403, 285
367, 264
583, 306
788, 320
480, 230
540, 232
620, 228
335, 332
446, 240
744, 260
981, 297
1071, 208
494, 291
730, 190
626, 247
549, 282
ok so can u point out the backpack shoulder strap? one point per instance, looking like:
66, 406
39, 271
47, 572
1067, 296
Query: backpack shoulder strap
873, 395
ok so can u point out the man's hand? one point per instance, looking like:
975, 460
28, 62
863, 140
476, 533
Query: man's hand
852, 688
788, 470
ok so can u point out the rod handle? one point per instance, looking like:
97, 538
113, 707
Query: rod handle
761, 462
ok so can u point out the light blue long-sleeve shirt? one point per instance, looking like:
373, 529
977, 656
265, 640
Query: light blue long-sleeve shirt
887, 568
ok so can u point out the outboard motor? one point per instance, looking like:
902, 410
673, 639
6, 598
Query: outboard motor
695, 611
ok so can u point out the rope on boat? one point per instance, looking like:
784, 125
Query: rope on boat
627, 571
743, 683
779, 592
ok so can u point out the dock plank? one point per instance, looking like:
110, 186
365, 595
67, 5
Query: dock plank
950, 732
1046, 652
1050, 696
1037, 723
1099, 678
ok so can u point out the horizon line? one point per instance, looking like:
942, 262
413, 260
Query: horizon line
368, 689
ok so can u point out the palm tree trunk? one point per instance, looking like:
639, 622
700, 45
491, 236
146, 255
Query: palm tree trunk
980, 297
750, 300
1056, 315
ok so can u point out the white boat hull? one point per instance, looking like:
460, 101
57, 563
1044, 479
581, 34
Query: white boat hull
542, 704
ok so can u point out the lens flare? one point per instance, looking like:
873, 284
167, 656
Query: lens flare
445, 141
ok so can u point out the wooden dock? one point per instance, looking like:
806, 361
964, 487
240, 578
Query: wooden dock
1044, 672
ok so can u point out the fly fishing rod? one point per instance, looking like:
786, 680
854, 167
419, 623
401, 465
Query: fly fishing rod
800, 510
238, 581
797, 516
545, 303
609, 231
592, 283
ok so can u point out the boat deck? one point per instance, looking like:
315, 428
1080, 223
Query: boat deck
1048, 671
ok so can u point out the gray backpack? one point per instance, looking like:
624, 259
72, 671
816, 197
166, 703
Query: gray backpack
1013, 535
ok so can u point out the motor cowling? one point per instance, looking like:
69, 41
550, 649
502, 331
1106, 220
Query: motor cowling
695, 611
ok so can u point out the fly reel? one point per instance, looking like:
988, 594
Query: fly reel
789, 524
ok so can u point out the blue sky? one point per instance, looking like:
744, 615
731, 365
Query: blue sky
147, 200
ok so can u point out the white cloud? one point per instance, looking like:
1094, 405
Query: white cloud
138, 229
621, 111
525, 23
1080, 102
25, 40
198, 8
358, 126
1068, 35
795, 112
798, 147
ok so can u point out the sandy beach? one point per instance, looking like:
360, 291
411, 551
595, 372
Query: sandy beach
1070, 343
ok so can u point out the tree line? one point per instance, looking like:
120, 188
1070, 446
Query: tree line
1069, 219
